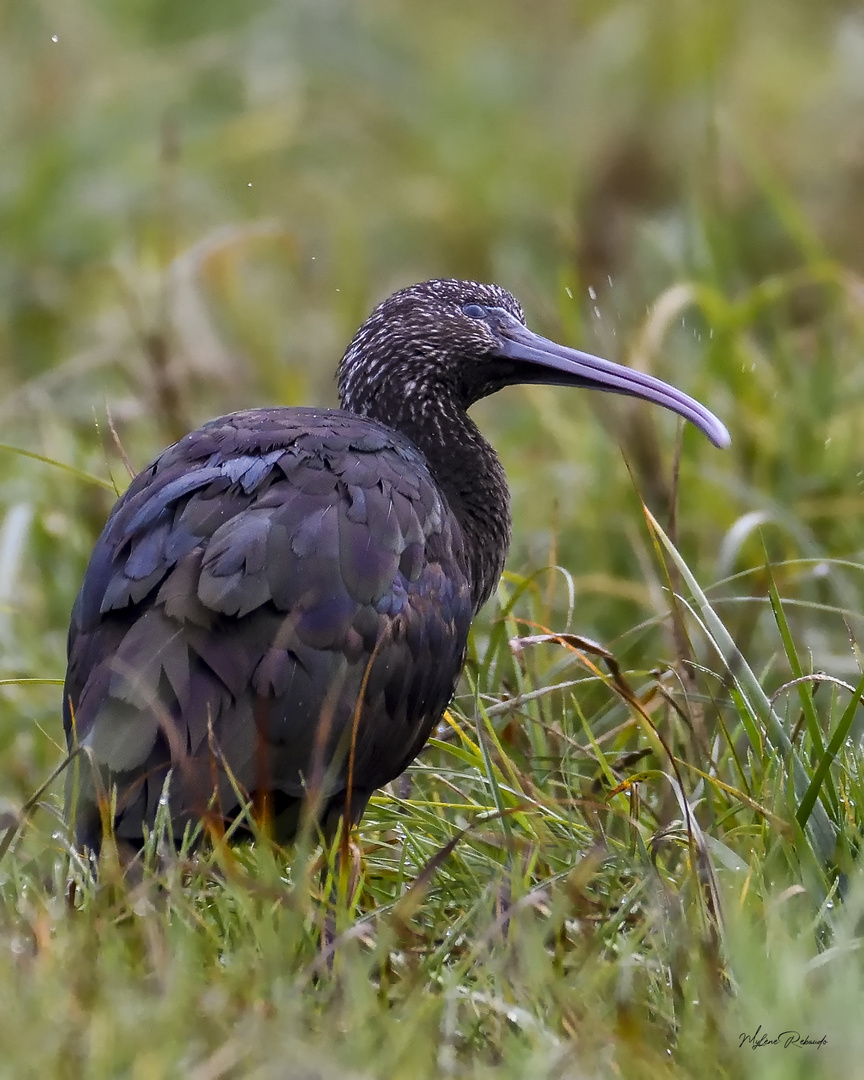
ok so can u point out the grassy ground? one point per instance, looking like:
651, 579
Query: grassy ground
630, 860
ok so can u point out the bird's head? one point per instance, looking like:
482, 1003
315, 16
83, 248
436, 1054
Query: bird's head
466, 340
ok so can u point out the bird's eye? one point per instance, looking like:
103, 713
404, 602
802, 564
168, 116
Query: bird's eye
474, 311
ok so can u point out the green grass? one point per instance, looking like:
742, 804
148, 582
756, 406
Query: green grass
613, 859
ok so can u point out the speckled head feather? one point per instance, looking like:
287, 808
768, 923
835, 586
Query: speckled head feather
417, 364
419, 341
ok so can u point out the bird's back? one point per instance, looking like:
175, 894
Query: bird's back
279, 600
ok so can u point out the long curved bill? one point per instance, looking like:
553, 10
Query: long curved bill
558, 365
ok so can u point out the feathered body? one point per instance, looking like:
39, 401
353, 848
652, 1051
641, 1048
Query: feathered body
278, 606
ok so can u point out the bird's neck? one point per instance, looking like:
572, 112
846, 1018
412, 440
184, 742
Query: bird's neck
468, 472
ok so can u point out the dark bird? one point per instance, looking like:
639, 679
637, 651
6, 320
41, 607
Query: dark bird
278, 607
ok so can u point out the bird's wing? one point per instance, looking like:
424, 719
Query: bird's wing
276, 588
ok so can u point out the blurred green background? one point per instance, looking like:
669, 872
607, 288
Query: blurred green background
199, 202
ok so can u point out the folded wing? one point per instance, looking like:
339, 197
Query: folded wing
277, 588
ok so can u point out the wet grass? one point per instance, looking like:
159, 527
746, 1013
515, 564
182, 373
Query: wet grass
635, 839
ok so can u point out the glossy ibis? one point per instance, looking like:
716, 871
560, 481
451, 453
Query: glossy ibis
278, 605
